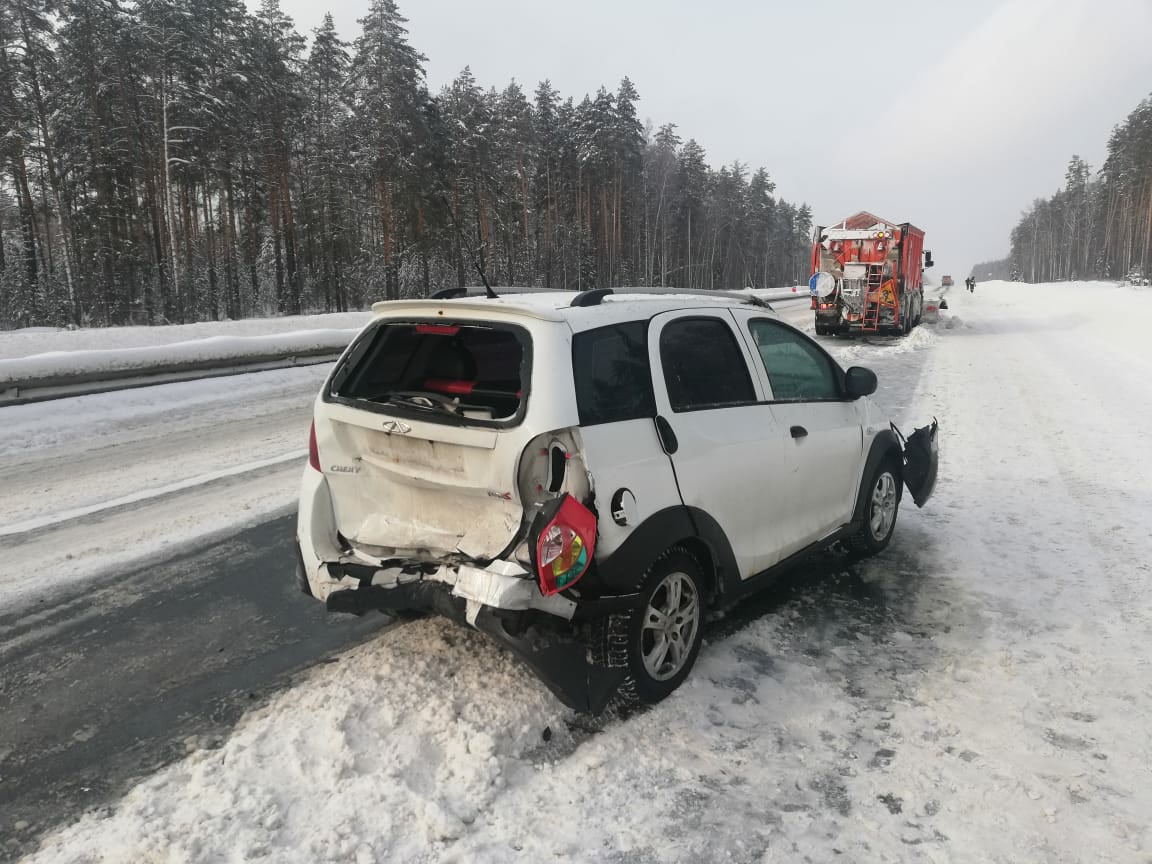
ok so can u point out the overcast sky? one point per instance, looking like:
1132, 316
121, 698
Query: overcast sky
950, 115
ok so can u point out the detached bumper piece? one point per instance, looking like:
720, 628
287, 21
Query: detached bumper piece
559, 659
921, 461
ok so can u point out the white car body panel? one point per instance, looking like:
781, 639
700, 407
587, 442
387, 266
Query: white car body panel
729, 463
449, 493
627, 456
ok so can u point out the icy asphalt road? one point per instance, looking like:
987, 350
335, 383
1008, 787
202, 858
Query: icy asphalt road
106, 681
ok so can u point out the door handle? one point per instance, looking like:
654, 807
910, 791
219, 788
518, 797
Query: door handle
667, 436
799, 432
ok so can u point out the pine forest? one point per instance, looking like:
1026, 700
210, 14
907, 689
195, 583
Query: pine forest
1099, 225
184, 160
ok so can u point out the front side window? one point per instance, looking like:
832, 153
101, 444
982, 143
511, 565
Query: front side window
703, 365
612, 375
797, 370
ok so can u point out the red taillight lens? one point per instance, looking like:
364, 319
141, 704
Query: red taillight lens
565, 547
313, 451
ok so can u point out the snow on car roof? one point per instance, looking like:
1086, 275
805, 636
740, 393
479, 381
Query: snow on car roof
551, 305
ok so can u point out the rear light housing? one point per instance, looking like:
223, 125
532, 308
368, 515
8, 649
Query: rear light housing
313, 450
563, 545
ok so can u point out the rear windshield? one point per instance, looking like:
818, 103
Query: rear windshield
476, 372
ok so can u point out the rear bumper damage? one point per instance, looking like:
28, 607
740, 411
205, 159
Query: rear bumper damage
556, 653
502, 600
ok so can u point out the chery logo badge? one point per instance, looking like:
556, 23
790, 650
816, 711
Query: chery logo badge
396, 427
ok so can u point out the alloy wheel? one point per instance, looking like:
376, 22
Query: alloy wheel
670, 625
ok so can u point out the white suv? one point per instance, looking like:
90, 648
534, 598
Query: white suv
583, 476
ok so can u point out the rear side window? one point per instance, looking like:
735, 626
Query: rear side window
474, 371
703, 365
612, 375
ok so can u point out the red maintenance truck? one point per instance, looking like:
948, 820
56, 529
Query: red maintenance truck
868, 276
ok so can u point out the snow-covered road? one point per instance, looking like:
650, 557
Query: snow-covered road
199, 459
979, 693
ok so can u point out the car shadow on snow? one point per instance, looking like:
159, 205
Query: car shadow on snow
871, 627
832, 606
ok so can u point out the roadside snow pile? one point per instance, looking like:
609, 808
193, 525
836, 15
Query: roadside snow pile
869, 348
394, 751
38, 340
64, 364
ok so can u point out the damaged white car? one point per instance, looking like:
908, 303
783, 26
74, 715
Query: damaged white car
584, 476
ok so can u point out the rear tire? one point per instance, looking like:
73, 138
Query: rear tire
658, 641
881, 509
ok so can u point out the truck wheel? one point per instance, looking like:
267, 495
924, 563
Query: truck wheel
659, 639
880, 510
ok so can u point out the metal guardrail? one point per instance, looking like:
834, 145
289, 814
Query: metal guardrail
29, 390
65, 385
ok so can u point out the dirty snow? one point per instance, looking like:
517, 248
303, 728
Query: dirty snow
978, 693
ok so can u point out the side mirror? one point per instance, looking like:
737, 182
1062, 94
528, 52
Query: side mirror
928, 262
859, 381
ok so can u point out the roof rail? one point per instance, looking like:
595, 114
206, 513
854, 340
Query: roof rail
592, 297
596, 296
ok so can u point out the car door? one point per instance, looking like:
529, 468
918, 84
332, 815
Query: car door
613, 383
719, 432
826, 452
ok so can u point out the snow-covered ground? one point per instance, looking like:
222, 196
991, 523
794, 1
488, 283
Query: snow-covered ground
978, 693
99, 482
40, 340
24, 358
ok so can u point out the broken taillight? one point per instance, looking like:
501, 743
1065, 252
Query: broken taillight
565, 545
313, 450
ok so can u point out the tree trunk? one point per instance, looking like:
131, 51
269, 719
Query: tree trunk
49, 155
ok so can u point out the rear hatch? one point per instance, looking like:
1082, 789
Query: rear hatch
419, 438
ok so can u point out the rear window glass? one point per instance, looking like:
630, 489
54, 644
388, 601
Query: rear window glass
473, 371
612, 375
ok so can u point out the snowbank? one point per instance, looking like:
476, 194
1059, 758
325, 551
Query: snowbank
38, 340
867, 348
59, 365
